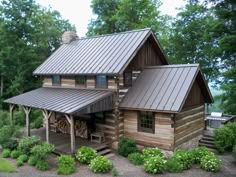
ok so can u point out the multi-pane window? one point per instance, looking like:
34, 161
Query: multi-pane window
146, 122
128, 78
56, 80
80, 81
101, 81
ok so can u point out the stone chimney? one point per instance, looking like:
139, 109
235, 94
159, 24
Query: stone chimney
69, 36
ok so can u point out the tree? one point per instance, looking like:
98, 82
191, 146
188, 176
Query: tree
29, 34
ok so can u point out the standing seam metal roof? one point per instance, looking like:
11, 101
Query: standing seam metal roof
95, 55
161, 88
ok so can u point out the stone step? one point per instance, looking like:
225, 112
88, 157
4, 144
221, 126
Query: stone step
211, 138
104, 152
101, 147
206, 141
207, 145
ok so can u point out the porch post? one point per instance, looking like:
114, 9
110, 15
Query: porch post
27, 112
70, 119
12, 106
47, 114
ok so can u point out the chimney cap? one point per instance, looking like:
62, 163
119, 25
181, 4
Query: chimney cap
69, 36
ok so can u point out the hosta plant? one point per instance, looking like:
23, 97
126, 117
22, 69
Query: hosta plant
210, 162
66, 165
136, 158
199, 153
85, 154
184, 157
154, 165
152, 152
100, 165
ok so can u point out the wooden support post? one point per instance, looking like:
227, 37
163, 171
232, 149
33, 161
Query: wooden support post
47, 114
12, 106
27, 113
70, 119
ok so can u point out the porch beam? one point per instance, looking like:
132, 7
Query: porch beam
71, 121
47, 114
27, 113
12, 107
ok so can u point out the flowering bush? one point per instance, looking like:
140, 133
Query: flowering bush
173, 166
66, 164
126, 146
100, 165
210, 162
184, 157
6, 153
136, 158
198, 153
152, 152
154, 165
85, 154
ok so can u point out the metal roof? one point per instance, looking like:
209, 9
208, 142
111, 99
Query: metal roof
106, 54
66, 100
162, 88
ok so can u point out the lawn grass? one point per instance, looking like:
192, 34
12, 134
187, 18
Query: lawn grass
6, 166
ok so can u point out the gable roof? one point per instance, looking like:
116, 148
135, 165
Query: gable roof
107, 54
164, 88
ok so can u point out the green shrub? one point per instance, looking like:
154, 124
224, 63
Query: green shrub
4, 118
32, 160
126, 146
225, 137
184, 157
210, 162
173, 166
6, 153
198, 153
27, 143
234, 152
19, 162
9, 136
85, 154
66, 165
136, 158
152, 152
42, 151
154, 165
36, 119
15, 154
100, 164
114, 172
19, 117
23, 158
42, 165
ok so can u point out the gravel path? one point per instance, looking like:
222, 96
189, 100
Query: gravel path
125, 169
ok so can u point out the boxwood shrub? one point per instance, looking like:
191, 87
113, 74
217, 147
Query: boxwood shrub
23, 158
27, 143
32, 160
85, 154
15, 154
126, 146
100, 164
42, 165
136, 158
66, 165
6, 153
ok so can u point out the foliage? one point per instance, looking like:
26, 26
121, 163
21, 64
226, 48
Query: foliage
154, 165
23, 158
184, 157
42, 165
126, 146
85, 154
15, 154
6, 153
6, 166
114, 172
225, 137
100, 164
199, 153
136, 158
32, 160
173, 166
19, 162
66, 164
234, 152
42, 151
5, 118
9, 135
152, 152
27, 143
210, 163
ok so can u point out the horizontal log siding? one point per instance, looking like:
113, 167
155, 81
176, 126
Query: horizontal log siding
189, 124
47, 81
90, 82
112, 83
67, 82
163, 136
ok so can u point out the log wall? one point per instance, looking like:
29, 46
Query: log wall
67, 82
164, 131
188, 124
90, 82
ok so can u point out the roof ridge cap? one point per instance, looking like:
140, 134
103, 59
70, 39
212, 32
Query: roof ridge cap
172, 66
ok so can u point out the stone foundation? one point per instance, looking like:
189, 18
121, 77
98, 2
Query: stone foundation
191, 144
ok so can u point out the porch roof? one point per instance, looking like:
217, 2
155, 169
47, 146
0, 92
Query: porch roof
65, 100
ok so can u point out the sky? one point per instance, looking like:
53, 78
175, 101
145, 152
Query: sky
79, 13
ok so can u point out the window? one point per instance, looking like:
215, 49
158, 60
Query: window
128, 78
80, 81
56, 80
146, 122
101, 81
99, 117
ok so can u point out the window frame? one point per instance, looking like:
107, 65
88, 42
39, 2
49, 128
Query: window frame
53, 80
151, 117
79, 84
96, 81
125, 81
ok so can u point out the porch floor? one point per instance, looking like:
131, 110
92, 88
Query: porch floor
62, 141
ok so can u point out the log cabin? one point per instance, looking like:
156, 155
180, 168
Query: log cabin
104, 87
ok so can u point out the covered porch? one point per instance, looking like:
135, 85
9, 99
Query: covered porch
71, 104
